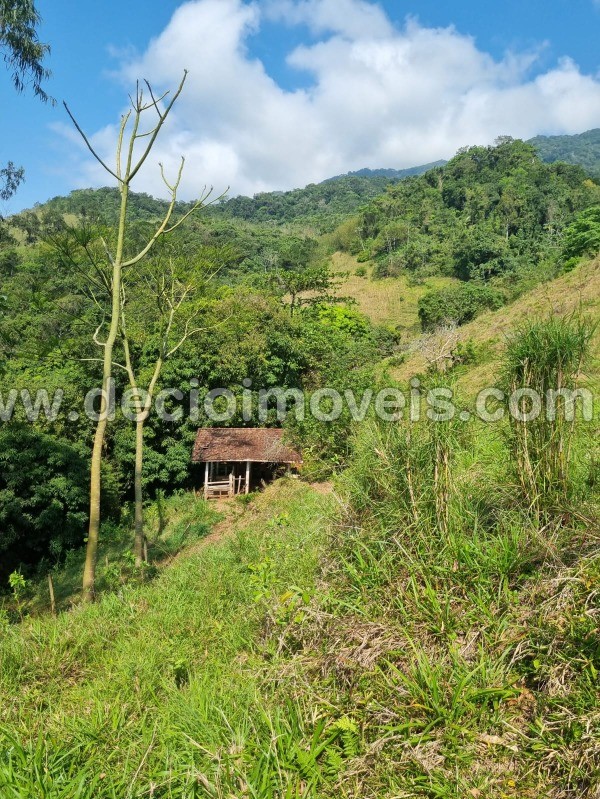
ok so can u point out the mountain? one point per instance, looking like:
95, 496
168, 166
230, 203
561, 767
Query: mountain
322, 205
582, 149
389, 174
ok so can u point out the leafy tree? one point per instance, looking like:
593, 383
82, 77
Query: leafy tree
11, 178
304, 287
457, 305
480, 253
582, 237
23, 54
43, 497
19, 44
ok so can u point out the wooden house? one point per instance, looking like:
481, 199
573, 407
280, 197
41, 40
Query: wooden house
237, 458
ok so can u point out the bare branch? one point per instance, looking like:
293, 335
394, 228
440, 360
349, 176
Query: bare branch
101, 360
89, 144
201, 203
158, 233
162, 116
124, 120
97, 333
107, 251
155, 101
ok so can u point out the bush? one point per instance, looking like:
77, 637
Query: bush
582, 237
457, 305
44, 495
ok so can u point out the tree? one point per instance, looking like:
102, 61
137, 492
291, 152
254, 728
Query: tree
174, 319
457, 305
110, 273
582, 237
11, 178
22, 50
24, 55
42, 496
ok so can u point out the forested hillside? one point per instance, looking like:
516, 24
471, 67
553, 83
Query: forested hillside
496, 218
320, 206
492, 223
581, 148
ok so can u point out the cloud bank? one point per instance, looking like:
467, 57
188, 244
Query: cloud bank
379, 96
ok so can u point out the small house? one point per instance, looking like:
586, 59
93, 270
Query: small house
237, 458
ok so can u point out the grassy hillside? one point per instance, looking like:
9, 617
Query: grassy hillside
161, 689
577, 291
314, 652
388, 301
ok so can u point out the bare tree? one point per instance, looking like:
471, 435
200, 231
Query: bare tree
438, 346
129, 161
176, 316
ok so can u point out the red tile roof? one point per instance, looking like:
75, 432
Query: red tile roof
258, 444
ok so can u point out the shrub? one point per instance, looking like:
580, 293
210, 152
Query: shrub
457, 305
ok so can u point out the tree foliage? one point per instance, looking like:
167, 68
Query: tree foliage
488, 214
457, 305
21, 48
23, 54
582, 237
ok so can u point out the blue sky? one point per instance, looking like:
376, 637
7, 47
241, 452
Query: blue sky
285, 92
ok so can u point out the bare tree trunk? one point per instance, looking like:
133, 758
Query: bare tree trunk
91, 554
140, 538
52, 597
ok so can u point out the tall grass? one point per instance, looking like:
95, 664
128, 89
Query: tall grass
545, 357
470, 683
403, 472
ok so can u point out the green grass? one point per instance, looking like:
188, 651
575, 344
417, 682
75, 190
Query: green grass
157, 689
171, 525
360, 644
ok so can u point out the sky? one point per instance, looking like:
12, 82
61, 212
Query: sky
282, 93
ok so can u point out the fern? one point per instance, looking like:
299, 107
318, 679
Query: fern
349, 735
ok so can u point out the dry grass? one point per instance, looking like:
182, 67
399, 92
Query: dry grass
391, 301
579, 289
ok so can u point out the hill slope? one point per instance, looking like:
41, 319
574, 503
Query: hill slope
581, 148
337, 646
576, 292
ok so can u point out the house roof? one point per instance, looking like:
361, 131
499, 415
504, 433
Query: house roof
259, 444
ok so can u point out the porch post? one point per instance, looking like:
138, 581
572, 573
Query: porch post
206, 468
247, 477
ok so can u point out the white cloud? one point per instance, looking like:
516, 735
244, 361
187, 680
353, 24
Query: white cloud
351, 18
381, 96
